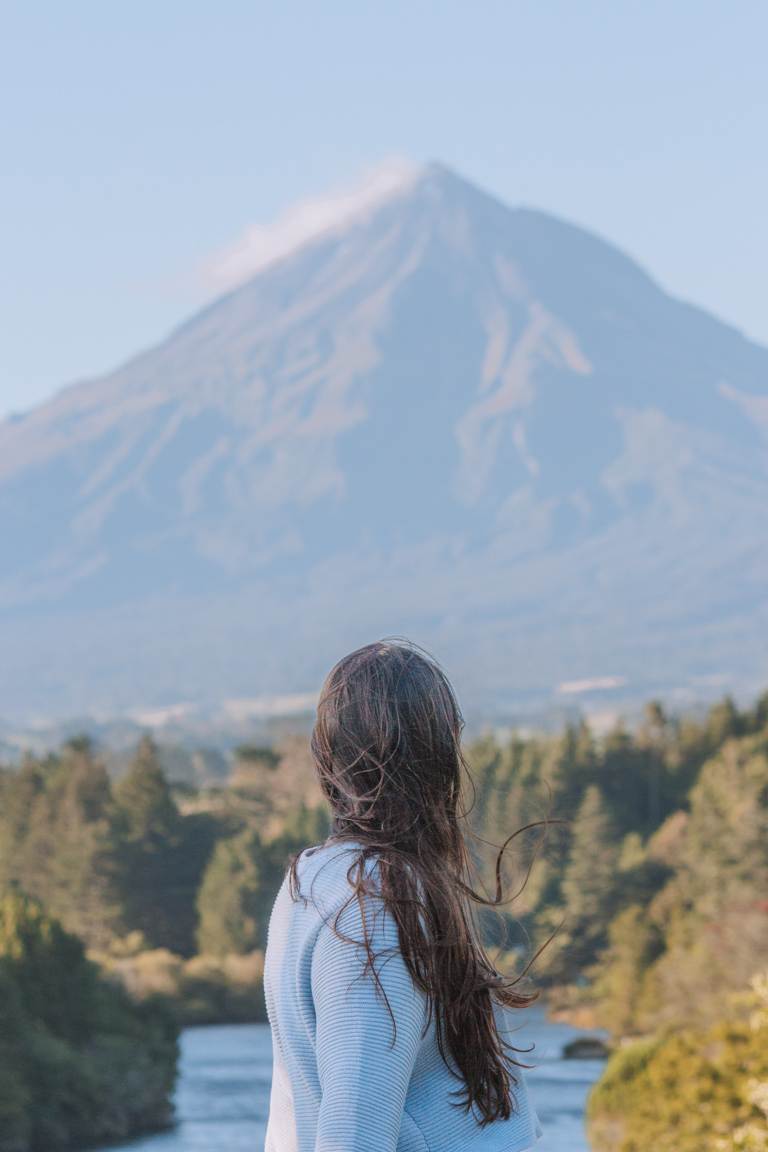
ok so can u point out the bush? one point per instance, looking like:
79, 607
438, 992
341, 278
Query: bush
688, 1091
202, 990
80, 1063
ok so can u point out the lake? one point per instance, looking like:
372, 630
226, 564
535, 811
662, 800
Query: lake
222, 1099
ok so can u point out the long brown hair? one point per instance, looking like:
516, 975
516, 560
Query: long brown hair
387, 750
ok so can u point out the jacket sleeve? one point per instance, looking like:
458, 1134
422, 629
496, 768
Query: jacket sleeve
364, 1076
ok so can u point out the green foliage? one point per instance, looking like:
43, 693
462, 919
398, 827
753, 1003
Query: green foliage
620, 985
201, 990
232, 903
144, 798
48, 967
162, 855
686, 1091
58, 840
15, 1092
650, 847
110, 862
242, 879
589, 881
679, 959
257, 754
79, 1061
670, 821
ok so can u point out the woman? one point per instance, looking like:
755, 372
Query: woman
388, 1019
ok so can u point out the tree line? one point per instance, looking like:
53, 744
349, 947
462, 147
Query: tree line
647, 851
111, 860
656, 880
644, 863
656, 889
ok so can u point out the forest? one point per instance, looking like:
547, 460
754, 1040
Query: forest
642, 901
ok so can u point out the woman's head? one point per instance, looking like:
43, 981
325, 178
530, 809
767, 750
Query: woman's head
387, 750
386, 746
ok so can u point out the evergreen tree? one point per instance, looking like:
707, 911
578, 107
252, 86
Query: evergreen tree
58, 841
303, 827
242, 879
15, 1092
233, 898
759, 716
21, 792
70, 1043
575, 768
48, 967
632, 779
634, 943
589, 883
144, 798
83, 887
486, 757
155, 877
723, 722
725, 854
713, 910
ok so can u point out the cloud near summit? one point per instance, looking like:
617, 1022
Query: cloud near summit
263, 244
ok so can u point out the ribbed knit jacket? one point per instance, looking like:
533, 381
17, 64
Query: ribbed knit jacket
339, 1082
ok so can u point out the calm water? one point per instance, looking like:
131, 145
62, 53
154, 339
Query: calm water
223, 1094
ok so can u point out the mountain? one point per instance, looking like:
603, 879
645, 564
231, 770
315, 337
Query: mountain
472, 424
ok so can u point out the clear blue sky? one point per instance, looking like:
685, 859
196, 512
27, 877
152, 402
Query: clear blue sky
140, 137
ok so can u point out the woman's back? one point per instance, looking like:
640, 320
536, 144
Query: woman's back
340, 1084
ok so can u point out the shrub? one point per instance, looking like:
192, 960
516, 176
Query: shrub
79, 1061
688, 1091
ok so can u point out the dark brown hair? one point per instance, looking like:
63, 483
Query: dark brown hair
387, 749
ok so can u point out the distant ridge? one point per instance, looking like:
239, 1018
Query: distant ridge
474, 424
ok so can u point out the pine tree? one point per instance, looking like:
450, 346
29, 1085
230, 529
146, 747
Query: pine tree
144, 797
58, 840
155, 879
589, 883
723, 722
575, 767
634, 943
232, 900
20, 795
83, 888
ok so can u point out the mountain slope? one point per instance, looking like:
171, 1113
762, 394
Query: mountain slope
477, 425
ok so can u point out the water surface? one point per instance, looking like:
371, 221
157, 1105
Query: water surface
222, 1101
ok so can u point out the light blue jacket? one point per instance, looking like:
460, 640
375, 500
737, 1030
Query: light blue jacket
338, 1084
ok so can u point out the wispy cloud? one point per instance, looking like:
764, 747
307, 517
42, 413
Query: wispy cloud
262, 244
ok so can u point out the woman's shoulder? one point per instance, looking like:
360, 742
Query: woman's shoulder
328, 869
312, 889
331, 852
328, 876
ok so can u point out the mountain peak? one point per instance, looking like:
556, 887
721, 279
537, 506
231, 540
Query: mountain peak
312, 218
426, 413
